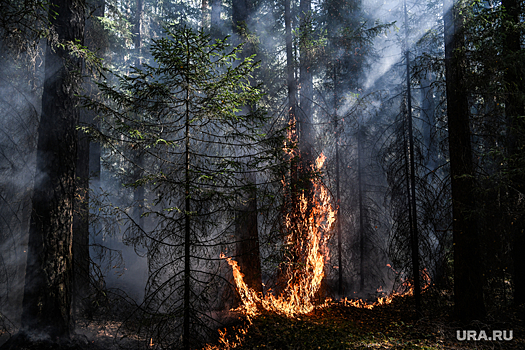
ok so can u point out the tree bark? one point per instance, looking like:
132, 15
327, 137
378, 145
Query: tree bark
306, 133
414, 235
85, 163
361, 210
48, 283
338, 189
187, 218
246, 227
468, 285
247, 235
514, 108
139, 193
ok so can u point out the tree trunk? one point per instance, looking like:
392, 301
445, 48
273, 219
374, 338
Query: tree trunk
138, 194
338, 190
246, 228
414, 235
240, 12
514, 108
85, 152
468, 285
205, 8
216, 23
81, 224
306, 134
429, 121
247, 235
290, 75
292, 114
361, 211
48, 284
187, 219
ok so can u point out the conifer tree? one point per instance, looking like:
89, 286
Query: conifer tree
185, 113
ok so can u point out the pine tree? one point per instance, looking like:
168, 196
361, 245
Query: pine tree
186, 113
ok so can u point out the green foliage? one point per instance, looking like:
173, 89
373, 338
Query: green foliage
190, 123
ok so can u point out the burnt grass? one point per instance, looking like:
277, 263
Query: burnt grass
392, 326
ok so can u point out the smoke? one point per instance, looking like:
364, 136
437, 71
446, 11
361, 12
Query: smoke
366, 105
19, 111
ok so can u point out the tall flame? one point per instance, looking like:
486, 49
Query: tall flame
314, 220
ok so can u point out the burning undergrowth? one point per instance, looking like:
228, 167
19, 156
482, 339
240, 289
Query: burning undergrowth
308, 227
339, 326
308, 230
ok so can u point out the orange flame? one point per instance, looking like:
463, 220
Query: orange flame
228, 341
304, 282
387, 299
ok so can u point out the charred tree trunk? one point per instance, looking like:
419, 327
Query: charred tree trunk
468, 285
48, 284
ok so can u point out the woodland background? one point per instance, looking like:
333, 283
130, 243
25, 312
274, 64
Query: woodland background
137, 144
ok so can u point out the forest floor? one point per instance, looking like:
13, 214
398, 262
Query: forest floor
336, 326
392, 326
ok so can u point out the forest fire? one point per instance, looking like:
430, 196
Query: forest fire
314, 220
407, 289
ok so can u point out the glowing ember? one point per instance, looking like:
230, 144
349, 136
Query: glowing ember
308, 233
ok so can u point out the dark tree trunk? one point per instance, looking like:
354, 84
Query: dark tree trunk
429, 121
290, 71
514, 108
187, 220
361, 210
48, 286
292, 110
240, 13
246, 228
468, 285
306, 134
81, 224
137, 31
138, 194
99, 47
247, 235
338, 190
86, 151
414, 235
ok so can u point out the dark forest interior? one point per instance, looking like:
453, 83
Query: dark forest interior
278, 174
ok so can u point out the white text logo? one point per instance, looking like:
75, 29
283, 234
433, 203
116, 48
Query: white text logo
482, 335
